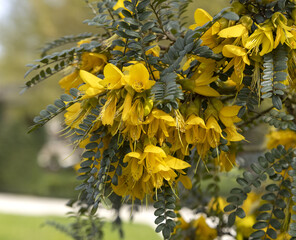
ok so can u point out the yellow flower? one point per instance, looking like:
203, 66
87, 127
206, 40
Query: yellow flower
93, 62
133, 158
195, 130
217, 204
114, 78
282, 30
263, 35
226, 161
108, 111
159, 166
228, 115
73, 115
239, 60
202, 80
237, 31
214, 132
158, 124
232, 134
138, 78
285, 137
203, 231
209, 38
94, 85
146, 171
155, 50
244, 227
120, 4
72, 80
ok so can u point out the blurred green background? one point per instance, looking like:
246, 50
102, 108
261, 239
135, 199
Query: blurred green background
26, 25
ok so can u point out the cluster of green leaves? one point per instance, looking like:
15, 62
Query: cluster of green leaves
62, 41
247, 97
276, 197
274, 73
85, 227
292, 174
280, 120
52, 110
165, 206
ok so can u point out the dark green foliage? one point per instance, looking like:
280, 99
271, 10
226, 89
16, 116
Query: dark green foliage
273, 163
275, 66
85, 227
279, 120
164, 211
247, 97
292, 173
62, 41
52, 111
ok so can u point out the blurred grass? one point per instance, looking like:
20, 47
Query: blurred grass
15, 227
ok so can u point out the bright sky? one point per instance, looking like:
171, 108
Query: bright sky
4, 8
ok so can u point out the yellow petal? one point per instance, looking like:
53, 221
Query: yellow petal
132, 155
194, 120
231, 51
90, 79
113, 77
230, 111
176, 163
233, 32
206, 91
162, 115
201, 17
153, 149
186, 181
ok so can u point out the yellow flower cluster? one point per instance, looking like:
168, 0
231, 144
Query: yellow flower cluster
287, 138
160, 141
197, 229
240, 43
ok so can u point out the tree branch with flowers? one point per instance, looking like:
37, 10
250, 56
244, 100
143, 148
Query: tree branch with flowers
159, 107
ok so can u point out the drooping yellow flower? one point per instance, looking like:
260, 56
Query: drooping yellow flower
283, 33
93, 62
238, 61
108, 111
286, 138
93, 86
226, 161
217, 204
158, 123
114, 78
136, 113
73, 115
228, 115
195, 130
147, 170
202, 81
232, 134
209, 38
238, 31
159, 166
133, 158
138, 78
72, 80
262, 36
203, 231
214, 132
